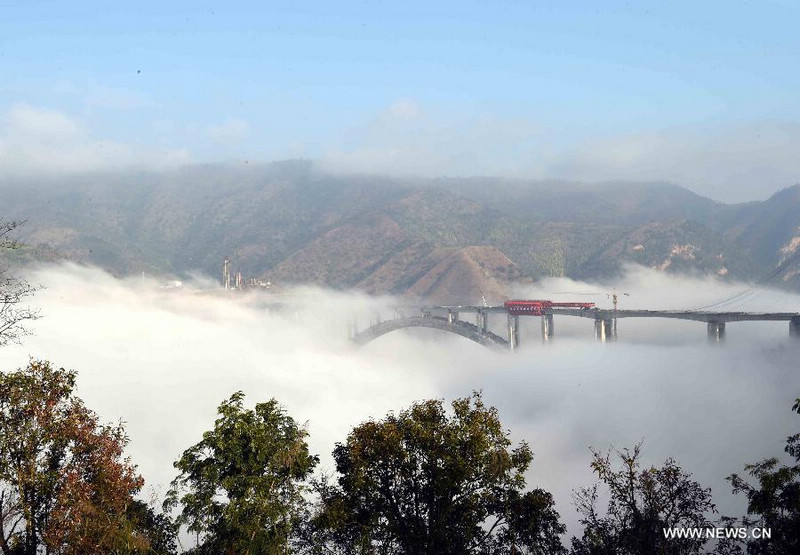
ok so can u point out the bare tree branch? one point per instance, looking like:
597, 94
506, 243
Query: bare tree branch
14, 314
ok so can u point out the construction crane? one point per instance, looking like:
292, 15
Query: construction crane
614, 300
613, 295
483, 297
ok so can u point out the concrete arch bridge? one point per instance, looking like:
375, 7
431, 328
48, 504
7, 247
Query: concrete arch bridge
447, 318
458, 327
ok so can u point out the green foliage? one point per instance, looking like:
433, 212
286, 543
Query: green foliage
64, 486
159, 530
241, 487
642, 502
423, 481
774, 502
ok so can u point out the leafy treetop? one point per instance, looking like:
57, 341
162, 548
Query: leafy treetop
241, 487
423, 481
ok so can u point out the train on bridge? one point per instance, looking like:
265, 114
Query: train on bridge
540, 307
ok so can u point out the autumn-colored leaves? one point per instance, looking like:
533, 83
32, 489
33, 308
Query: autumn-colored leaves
65, 483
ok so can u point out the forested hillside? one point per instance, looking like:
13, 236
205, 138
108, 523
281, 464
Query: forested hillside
291, 223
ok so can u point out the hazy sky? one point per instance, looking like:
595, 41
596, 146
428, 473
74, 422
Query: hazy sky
700, 93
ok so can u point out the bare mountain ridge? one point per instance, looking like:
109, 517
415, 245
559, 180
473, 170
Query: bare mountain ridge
468, 275
291, 223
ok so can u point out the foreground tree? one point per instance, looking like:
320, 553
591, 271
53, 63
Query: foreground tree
13, 292
241, 487
65, 487
774, 503
424, 482
641, 504
158, 529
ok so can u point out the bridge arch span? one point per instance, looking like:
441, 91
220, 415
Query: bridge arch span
464, 329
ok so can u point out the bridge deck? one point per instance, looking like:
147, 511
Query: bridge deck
699, 316
605, 314
603, 328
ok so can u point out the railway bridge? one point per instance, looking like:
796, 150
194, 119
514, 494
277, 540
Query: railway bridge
448, 318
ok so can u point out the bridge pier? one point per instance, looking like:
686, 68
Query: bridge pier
716, 332
482, 320
604, 330
513, 332
794, 327
452, 316
547, 327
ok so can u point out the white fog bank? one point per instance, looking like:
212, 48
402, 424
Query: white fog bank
162, 360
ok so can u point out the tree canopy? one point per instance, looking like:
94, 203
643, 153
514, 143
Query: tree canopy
642, 502
65, 486
241, 487
774, 502
424, 481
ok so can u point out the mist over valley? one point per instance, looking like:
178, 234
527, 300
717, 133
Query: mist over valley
419, 278
162, 359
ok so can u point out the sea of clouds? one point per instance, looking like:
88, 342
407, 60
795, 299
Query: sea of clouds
163, 359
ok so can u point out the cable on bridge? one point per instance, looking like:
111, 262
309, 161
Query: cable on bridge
753, 289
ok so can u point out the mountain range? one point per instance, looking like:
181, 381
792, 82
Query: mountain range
447, 239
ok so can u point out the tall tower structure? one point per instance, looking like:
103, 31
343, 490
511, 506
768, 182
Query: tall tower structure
226, 274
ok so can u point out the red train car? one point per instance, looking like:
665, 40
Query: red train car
529, 308
538, 307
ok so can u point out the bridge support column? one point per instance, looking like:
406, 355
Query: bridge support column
547, 327
513, 332
716, 332
794, 327
452, 316
604, 330
482, 320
